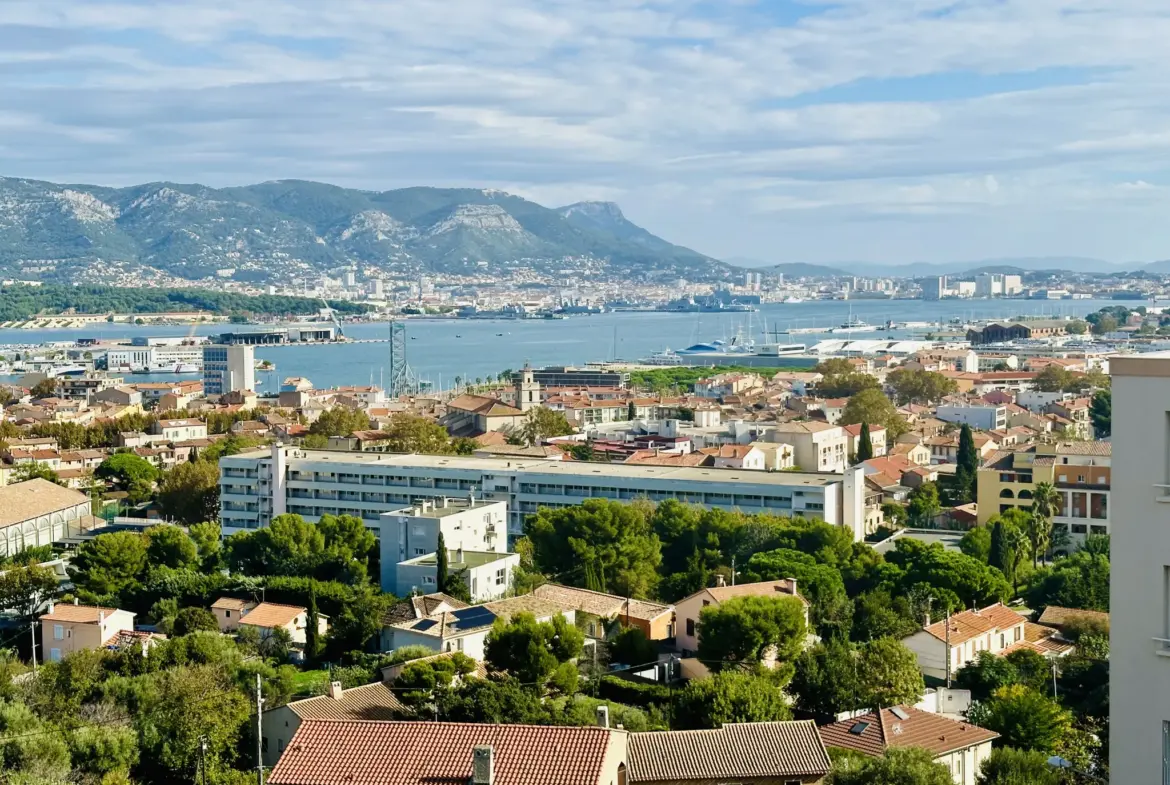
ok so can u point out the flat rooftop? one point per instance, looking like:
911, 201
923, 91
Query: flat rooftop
433, 509
567, 469
457, 562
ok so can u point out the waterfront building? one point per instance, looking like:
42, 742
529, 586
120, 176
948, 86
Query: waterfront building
228, 368
258, 485
566, 376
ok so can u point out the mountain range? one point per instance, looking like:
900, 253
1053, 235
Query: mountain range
1029, 264
291, 229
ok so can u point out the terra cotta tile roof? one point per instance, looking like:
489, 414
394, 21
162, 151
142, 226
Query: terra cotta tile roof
336, 752
768, 750
882, 730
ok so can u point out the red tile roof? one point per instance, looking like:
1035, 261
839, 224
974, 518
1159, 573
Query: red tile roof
972, 623
738, 751
934, 732
340, 752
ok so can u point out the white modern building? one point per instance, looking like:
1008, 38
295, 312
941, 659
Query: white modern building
985, 417
258, 485
475, 534
1139, 655
228, 368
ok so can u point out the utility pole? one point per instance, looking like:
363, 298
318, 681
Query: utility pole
1054, 680
203, 757
259, 733
733, 570
32, 631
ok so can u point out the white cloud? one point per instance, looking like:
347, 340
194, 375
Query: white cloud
702, 117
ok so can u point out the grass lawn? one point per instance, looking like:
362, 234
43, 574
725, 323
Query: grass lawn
310, 682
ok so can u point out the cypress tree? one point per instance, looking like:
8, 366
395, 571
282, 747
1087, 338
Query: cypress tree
967, 465
441, 576
1001, 556
312, 643
631, 411
864, 444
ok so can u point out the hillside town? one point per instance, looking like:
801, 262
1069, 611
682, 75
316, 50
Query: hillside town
878, 566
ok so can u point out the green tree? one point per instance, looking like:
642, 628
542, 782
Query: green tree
33, 470
916, 386
923, 505
530, 650
208, 545
442, 578
872, 406
599, 544
966, 466
1045, 500
413, 434
1007, 544
630, 646
888, 674
421, 684
894, 514
826, 680
287, 546
1024, 718
541, 423
125, 468
632, 411
1054, 378
1079, 581
876, 614
976, 543
1007, 766
312, 628
1106, 323
45, 388
169, 546
103, 751
864, 444
340, 421
744, 631
23, 588
731, 696
1076, 327
844, 385
31, 749
1101, 413
986, 674
314, 441
189, 620
189, 493
820, 584
109, 563
899, 766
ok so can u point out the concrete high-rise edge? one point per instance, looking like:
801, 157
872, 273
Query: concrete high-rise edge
229, 368
1139, 726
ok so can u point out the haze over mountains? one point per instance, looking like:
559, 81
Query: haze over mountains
1073, 264
286, 229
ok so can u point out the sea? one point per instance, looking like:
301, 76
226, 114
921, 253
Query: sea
439, 350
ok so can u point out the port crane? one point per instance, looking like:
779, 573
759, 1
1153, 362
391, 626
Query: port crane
333, 317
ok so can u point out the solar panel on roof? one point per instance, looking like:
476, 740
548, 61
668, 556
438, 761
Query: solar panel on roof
425, 624
900, 713
470, 618
859, 728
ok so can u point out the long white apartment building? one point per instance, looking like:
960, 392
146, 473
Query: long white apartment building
1139, 654
258, 485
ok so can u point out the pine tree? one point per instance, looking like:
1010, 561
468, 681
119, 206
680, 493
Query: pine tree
632, 411
193, 455
864, 444
967, 466
312, 643
442, 578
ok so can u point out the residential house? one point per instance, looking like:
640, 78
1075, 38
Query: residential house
69, 628
268, 616
817, 446
798, 381
946, 646
466, 629
736, 456
944, 448
688, 610
487, 574
123, 395
1058, 618
960, 746
777, 457
362, 441
358, 704
179, 430
1076, 413
752, 753
334, 752
419, 606
916, 453
229, 610
877, 438
471, 415
655, 620
727, 384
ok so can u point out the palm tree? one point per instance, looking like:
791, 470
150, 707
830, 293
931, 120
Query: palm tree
1045, 500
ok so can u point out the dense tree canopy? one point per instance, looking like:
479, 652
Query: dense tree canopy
731, 696
917, 386
744, 631
872, 406
340, 421
899, 766
189, 493
1024, 718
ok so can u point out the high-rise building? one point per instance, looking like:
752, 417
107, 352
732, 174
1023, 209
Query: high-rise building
374, 287
350, 279
1139, 656
934, 288
988, 285
228, 368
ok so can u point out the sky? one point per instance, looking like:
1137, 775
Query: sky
855, 130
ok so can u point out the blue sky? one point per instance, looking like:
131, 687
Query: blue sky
882, 130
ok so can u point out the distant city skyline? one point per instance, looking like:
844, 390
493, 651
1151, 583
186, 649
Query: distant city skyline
880, 131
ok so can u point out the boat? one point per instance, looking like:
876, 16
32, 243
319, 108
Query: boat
855, 325
186, 368
792, 300
663, 358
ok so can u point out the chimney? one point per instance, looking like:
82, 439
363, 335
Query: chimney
719, 581
603, 716
927, 623
459, 555
792, 586
51, 606
335, 690
76, 601
482, 766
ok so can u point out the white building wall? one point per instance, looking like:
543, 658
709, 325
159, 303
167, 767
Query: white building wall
1140, 584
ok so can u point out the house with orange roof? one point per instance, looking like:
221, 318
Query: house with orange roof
472, 415
946, 646
877, 438
736, 456
268, 616
66, 629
